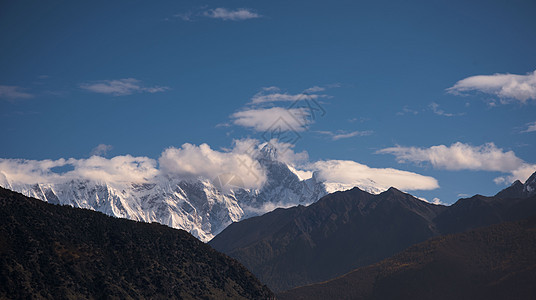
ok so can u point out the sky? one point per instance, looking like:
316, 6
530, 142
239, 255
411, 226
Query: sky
438, 97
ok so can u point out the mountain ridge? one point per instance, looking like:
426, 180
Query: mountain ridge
197, 205
53, 251
353, 228
298, 249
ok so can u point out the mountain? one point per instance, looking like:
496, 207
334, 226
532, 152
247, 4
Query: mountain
496, 262
52, 251
199, 206
300, 245
520, 190
345, 230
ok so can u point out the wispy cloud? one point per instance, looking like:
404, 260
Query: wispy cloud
274, 94
101, 149
344, 135
435, 108
505, 86
531, 127
406, 110
460, 156
12, 92
275, 118
265, 113
314, 89
121, 87
226, 14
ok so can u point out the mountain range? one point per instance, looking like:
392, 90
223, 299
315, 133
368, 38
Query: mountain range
59, 252
292, 247
198, 205
342, 246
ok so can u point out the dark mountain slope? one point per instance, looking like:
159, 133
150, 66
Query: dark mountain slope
57, 252
300, 245
479, 211
346, 230
497, 262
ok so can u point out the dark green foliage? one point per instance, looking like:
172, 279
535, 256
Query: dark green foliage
496, 262
58, 252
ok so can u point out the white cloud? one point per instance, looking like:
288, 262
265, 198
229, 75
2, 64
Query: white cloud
522, 173
504, 86
12, 92
436, 201
435, 108
531, 127
460, 156
191, 161
275, 118
125, 168
344, 135
101, 149
231, 15
237, 166
262, 114
31, 171
121, 87
314, 89
119, 169
352, 173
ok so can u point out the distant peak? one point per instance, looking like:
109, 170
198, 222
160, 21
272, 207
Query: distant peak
268, 151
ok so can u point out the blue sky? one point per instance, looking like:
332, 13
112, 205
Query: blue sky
394, 78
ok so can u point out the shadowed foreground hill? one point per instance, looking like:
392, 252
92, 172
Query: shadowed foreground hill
55, 252
496, 262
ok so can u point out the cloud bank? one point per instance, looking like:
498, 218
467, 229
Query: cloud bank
191, 161
351, 173
505, 86
119, 169
201, 161
460, 156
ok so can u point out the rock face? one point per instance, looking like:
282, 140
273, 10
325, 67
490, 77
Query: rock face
52, 251
344, 230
